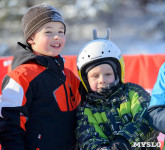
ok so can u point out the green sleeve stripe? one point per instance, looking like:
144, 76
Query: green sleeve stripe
125, 108
91, 118
98, 118
104, 117
100, 132
95, 120
132, 106
135, 104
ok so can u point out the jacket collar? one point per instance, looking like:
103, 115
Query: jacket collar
112, 99
25, 54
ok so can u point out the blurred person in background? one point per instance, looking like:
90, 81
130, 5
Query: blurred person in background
156, 108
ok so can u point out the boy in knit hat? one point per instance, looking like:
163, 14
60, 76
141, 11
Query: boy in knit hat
113, 114
39, 96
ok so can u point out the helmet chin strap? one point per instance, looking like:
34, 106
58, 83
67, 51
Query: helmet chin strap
107, 37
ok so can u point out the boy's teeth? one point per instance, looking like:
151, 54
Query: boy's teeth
56, 45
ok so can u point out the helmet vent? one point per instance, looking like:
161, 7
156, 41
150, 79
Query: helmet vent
88, 55
102, 52
109, 51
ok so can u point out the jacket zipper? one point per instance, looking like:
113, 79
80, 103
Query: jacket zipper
66, 97
71, 96
39, 139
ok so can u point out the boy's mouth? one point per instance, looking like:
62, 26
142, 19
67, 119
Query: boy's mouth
56, 45
102, 87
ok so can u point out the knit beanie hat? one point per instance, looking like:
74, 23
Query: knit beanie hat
39, 15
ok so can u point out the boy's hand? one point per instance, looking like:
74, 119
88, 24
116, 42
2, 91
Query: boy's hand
120, 144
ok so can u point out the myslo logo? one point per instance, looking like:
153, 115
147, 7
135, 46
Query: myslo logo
146, 144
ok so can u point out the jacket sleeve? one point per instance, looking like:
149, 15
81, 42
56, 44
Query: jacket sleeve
89, 131
157, 105
138, 129
13, 113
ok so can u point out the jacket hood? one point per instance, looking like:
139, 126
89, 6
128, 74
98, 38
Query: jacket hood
22, 55
25, 54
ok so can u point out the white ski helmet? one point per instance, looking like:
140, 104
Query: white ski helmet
99, 49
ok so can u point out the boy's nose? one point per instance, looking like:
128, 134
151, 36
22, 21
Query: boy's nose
56, 37
102, 79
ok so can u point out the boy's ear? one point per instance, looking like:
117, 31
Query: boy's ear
30, 40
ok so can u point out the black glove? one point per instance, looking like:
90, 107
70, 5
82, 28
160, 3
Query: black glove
120, 144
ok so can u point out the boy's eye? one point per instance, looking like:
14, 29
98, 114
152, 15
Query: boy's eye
108, 74
48, 32
61, 32
95, 75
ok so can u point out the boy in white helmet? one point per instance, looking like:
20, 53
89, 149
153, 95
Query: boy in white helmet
113, 115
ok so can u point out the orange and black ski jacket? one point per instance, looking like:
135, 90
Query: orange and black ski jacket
38, 103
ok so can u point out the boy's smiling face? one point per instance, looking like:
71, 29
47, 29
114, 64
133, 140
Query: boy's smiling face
49, 39
100, 76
